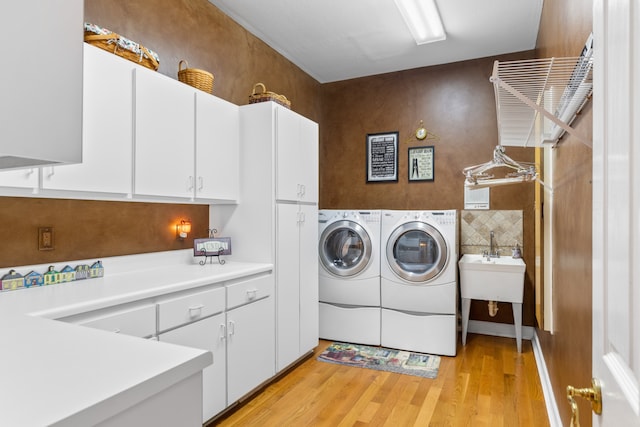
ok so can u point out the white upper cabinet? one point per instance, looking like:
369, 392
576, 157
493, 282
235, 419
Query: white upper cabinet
164, 136
107, 129
217, 149
297, 157
40, 86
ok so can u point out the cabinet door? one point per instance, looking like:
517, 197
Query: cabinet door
134, 321
206, 334
164, 136
309, 152
41, 86
107, 129
287, 285
250, 347
309, 300
20, 178
217, 149
296, 157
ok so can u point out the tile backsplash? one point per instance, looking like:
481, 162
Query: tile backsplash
476, 226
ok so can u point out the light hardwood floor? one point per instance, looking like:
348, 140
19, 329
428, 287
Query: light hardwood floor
487, 384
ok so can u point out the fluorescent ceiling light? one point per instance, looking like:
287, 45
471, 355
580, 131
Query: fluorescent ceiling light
423, 20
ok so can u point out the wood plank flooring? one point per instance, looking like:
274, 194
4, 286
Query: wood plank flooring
487, 384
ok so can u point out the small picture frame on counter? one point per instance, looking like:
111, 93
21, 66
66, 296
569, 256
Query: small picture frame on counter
212, 246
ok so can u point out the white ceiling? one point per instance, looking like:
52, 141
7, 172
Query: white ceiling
334, 40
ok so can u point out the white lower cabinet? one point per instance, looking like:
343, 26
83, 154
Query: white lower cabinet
250, 335
206, 334
297, 272
136, 320
196, 319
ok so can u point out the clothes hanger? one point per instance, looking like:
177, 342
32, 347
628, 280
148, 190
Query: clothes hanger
478, 176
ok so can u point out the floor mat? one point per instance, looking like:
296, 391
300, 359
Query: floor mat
382, 359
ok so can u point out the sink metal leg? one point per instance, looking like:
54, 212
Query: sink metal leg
466, 306
517, 320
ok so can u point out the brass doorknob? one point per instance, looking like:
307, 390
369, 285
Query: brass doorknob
593, 394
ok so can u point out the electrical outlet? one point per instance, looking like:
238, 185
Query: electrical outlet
45, 238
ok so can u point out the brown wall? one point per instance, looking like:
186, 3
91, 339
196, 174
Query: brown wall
194, 30
564, 29
457, 103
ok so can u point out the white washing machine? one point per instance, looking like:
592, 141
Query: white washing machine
349, 275
418, 280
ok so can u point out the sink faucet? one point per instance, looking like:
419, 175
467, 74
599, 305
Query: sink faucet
494, 252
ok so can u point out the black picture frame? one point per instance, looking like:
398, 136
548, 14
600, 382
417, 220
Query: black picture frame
212, 246
382, 157
421, 165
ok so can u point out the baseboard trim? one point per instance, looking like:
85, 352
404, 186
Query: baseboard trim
545, 381
498, 329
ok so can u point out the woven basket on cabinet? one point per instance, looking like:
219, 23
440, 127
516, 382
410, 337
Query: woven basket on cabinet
260, 94
199, 79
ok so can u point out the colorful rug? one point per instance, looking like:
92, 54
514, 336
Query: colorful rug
382, 359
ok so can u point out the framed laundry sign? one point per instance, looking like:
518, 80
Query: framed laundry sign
382, 157
421, 163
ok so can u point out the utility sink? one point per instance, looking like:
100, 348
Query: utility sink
494, 279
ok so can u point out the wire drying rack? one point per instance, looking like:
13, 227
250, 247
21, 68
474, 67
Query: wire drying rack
537, 99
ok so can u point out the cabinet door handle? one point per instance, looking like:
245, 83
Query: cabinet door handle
52, 172
116, 331
223, 332
190, 184
251, 294
232, 327
200, 183
197, 308
303, 190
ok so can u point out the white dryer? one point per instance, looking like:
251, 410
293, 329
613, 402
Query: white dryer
349, 275
418, 280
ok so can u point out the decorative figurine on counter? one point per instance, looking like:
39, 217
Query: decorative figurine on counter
67, 274
51, 277
82, 271
12, 281
96, 270
33, 279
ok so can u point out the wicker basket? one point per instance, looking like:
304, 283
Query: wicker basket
121, 46
264, 95
199, 79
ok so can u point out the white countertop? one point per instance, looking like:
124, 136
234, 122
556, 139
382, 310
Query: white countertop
54, 373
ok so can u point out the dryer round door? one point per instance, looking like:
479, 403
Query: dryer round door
416, 252
345, 248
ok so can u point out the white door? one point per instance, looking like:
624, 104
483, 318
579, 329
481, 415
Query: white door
288, 285
217, 148
164, 136
309, 308
107, 129
616, 210
206, 334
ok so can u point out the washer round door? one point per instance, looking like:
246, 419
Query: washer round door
416, 252
345, 248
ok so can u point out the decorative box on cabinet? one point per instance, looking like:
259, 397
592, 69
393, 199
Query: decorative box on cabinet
107, 133
41, 102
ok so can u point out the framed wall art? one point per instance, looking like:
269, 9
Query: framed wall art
421, 163
382, 157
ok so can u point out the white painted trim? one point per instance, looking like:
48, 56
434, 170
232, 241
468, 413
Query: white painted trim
545, 381
498, 329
